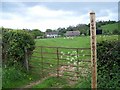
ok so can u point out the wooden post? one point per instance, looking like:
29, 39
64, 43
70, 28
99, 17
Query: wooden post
77, 63
41, 52
57, 63
1, 59
26, 60
93, 50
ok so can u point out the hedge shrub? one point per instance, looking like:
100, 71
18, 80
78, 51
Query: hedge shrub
108, 64
14, 44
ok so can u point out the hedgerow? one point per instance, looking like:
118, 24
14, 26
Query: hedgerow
108, 64
14, 44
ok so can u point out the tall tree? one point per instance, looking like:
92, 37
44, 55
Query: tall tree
36, 32
48, 30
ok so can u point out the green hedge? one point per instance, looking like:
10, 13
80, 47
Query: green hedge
14, 44
108, 64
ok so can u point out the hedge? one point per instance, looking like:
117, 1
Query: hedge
108, 64
14, 44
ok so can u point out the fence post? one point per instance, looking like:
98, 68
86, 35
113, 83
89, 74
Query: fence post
77, 63
93, 50
1, 60
42, 60
26, 59
57, 63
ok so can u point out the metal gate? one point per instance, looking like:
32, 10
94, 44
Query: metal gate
69, 63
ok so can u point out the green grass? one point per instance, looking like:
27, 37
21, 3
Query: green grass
80, 42
14, 77
58, 42
52, 82
61, 42
35, 69
109, 27
83, 83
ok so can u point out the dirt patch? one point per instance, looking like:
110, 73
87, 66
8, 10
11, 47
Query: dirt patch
72, 80
35, 83
62, 70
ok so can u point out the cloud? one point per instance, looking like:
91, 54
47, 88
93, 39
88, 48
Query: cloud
59, 1
42, 11
42, 17
107, 15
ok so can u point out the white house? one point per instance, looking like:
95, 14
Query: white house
52, 34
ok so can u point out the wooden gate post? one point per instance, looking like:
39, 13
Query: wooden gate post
93, 50
26, 60
57, 62
41, 52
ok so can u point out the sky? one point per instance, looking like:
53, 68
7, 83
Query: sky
52, 15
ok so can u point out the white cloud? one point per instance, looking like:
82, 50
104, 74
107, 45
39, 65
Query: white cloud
60, 1
42, 11
107, 15
43, 18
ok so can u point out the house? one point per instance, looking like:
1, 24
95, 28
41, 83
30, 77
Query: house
52, 34
40, 37
72, 33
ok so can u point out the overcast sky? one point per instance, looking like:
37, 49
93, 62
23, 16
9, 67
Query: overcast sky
52, 15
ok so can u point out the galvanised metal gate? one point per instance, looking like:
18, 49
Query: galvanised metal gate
70, 63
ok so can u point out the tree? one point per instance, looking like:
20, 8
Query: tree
61, 31
83, 28
70, 28
48, 30
37, 32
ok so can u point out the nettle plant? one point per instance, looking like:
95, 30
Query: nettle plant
72, 57
74, 60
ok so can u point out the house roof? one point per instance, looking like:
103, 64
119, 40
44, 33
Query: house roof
51, 33
72, 33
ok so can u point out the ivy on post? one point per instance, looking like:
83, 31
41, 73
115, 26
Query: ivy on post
93, 50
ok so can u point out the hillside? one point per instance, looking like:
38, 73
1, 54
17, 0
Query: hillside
109, 27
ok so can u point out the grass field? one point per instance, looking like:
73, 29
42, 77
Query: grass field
61, 42
77, 42
109, 27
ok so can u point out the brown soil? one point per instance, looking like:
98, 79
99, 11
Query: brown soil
62, 69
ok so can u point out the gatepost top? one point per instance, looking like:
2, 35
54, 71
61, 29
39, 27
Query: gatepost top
92, 12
